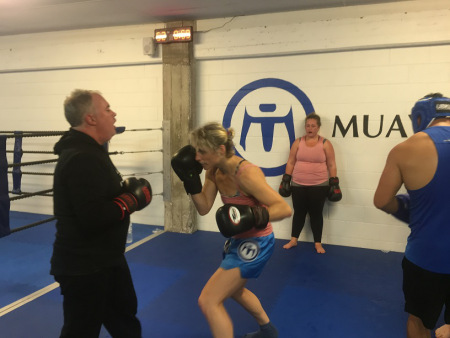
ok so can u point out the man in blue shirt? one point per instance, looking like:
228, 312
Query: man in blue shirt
422, 165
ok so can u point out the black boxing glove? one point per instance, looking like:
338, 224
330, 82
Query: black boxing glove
335, 193
285, 186
235, 219
140, 189
136, 196
188, 169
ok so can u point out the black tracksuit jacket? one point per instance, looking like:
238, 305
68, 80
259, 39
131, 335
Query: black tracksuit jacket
90, 235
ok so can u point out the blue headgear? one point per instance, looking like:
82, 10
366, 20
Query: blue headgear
428, 109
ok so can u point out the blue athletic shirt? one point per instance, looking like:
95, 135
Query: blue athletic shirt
429, 242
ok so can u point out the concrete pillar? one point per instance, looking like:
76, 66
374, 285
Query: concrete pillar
178, 120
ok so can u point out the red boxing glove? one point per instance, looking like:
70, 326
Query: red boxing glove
137, 195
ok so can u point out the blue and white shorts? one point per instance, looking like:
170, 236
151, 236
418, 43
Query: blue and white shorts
250, 255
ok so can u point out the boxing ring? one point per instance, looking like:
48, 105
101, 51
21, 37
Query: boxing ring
11, 165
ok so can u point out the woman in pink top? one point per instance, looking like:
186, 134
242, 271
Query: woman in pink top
245, 254
312, 168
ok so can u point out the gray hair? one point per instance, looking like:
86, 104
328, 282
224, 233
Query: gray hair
77, 105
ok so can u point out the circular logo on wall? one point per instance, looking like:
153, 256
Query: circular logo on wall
262, 113
248, 250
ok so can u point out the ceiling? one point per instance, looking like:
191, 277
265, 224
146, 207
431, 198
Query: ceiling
33, 16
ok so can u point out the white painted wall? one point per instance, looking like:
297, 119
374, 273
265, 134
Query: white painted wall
369, 60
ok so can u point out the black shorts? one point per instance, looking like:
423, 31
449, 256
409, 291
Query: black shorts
425, 294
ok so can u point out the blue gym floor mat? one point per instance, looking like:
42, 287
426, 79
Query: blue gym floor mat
347, 292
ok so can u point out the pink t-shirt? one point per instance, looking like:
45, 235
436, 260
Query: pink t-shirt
241, 199
311, 164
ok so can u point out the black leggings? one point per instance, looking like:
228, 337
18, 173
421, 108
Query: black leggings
309, 200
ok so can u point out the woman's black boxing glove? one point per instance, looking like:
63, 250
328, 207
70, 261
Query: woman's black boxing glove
234, 219
188, 169
285, 186
335, 193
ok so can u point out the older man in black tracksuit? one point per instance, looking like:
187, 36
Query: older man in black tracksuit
92, 206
